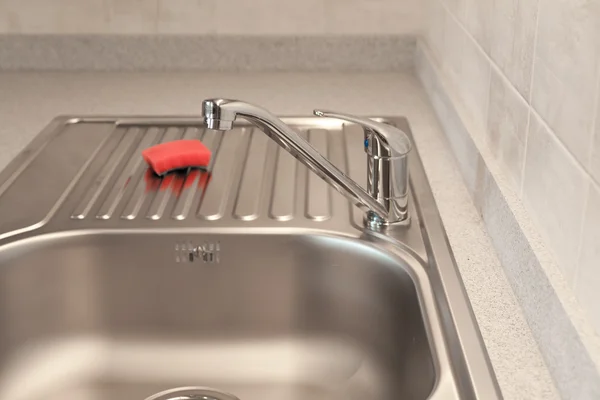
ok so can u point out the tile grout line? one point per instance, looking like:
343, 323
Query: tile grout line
511, 88
595, 124
586, 200
488, 101
534, 53
528, 101
157, 18
521, 189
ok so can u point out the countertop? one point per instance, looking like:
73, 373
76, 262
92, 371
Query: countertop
30, 100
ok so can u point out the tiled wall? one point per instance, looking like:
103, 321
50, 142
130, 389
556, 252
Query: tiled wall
525, 75
248, 17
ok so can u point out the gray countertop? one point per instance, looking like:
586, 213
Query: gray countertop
28, 101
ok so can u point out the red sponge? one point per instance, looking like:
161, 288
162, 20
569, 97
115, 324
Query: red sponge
179, 154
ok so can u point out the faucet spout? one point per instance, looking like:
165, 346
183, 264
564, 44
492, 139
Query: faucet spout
219, 114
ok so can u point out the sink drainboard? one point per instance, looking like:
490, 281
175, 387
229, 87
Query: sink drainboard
192, 393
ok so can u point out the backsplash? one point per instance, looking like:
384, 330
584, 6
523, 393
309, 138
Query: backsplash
235, 17
525, 76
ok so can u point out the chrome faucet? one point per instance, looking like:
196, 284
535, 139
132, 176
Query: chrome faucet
386, 198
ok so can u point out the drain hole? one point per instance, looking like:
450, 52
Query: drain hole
192, 393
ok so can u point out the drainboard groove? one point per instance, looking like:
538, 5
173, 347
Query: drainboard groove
193, 179
143, 187
226, 174
103, 178
169, 185
249, 191
318, 193
283, 191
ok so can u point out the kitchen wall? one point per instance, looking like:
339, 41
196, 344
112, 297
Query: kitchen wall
256, 17
524, 75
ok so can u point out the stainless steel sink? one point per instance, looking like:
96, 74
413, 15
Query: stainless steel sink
256, 279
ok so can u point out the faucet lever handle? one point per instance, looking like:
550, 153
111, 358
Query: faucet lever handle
394, 141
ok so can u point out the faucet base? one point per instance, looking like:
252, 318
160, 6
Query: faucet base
375, 222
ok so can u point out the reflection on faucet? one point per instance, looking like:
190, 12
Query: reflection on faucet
387, 147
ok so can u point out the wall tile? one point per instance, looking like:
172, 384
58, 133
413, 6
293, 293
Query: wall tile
4, 18
452, 57
53, 16
186, 16
566, 70
568, 38
507, 126
554, 191
588, 279
472, 80
595, 159
569, 111
434, 28
76, 16
35, 16
476, 70
373, 16
132, 16
475, 16
456, 7
467, 70
270, 17
513, 35
478, 20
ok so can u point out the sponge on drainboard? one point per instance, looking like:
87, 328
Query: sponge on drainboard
179, 154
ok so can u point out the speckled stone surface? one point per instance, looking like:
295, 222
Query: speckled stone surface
206, 53
31, 100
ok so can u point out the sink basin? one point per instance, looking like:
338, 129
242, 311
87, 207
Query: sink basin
256, 279
279, 317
